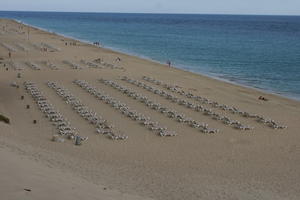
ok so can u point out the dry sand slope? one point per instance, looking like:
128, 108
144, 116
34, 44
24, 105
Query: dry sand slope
260, 163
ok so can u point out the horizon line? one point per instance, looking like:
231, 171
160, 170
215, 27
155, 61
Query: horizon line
161, 13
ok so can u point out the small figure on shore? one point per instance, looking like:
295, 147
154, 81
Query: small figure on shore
97, 43
9, 54
262, 98
118, 59
169, 63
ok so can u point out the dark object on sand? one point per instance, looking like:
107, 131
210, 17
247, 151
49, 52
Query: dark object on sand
28, 106
98, 60
4, 119
22, 97
6, 69
34, 121
78, 139
263, 98
27, 190
19, 75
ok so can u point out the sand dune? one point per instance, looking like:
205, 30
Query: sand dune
255, 153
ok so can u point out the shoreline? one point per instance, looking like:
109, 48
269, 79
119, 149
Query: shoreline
115, 50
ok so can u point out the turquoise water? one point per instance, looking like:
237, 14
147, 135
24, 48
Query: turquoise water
256, 51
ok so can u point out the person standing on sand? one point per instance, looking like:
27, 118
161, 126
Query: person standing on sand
9, 54
169, 63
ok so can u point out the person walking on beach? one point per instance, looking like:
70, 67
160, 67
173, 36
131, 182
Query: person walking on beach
9, 54
169, 63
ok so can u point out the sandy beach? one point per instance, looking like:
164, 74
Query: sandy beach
227, 143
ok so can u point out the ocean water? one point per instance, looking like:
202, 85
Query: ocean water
257, 51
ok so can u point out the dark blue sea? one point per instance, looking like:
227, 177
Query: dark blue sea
257, 51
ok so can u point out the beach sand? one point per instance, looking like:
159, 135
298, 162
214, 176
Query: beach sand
262, 163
